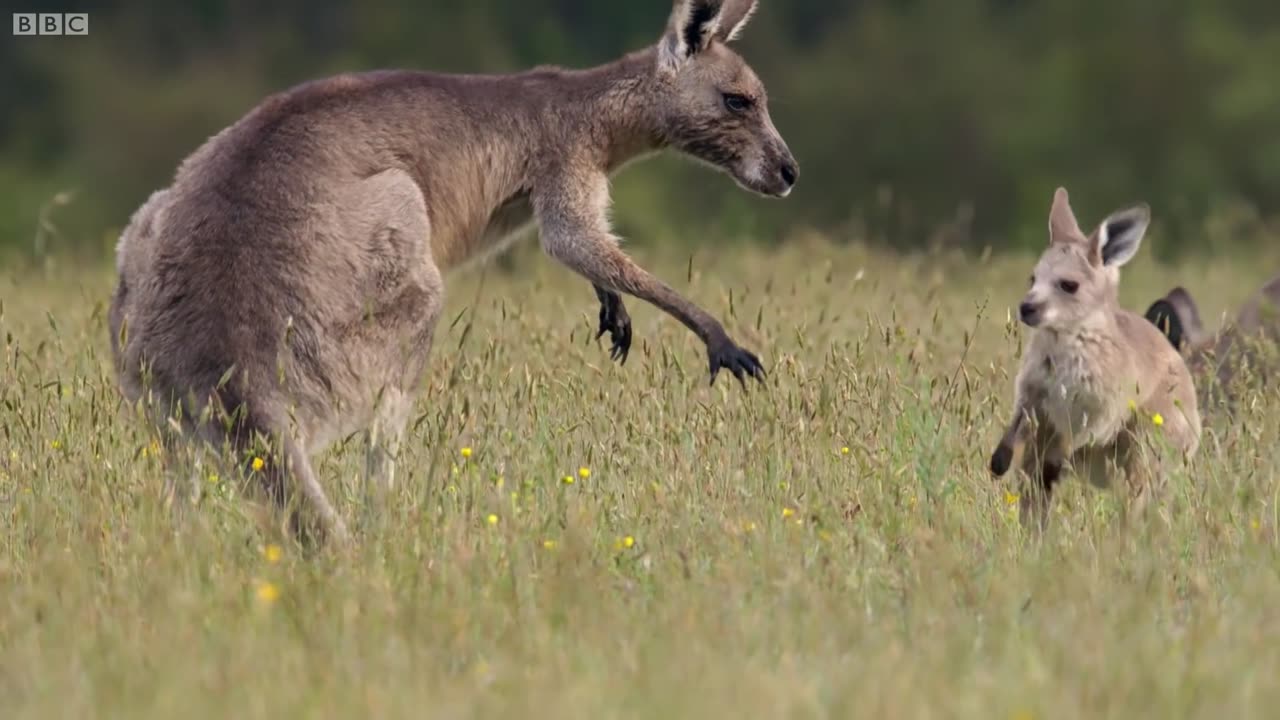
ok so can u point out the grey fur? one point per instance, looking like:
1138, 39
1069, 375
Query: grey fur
287, 284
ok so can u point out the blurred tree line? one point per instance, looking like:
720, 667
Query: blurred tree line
915, 121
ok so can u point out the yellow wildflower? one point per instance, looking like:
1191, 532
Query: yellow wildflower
628, 542
267, 593
1133, 405
492, 519
56, 444
749, 527
213, 478
258, 464
1010, 498
584, 472
844, 450
567, 480
272, 553
1157, 419
787, 512
1255, 524
466, 452
549, 544
499, 482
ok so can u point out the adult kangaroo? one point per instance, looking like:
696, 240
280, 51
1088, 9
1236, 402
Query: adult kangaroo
1244, 346
284, 289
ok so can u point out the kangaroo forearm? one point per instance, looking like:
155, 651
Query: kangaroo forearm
1016, 432
619, 273
658, 293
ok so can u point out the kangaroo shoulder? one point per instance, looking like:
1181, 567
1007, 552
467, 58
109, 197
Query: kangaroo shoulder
1144, 340
1162, 371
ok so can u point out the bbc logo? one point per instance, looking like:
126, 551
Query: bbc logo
51, 23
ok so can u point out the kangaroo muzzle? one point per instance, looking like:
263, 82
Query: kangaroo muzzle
781, 172
1031, 313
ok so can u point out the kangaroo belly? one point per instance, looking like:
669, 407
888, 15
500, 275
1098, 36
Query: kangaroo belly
1084, 417
507, 224
372, 330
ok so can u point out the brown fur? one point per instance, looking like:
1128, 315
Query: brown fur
1247, 343
290, 278
1088, 360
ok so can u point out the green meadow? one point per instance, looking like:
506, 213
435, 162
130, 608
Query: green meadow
572, 538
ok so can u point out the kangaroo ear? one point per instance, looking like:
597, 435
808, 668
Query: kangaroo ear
1177, 316
734, 17
693, 25
1118, 238
1163, 315
1062, 221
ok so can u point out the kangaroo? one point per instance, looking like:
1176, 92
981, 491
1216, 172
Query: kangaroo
1095, 376
1218, 358
287, 284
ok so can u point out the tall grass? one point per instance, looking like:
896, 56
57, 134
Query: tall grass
829, 544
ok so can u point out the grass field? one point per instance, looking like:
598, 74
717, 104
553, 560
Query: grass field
829, 544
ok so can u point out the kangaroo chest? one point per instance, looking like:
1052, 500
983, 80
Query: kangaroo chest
1079, 397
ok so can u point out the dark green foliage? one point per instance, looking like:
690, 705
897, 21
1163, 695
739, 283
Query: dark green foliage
915, 121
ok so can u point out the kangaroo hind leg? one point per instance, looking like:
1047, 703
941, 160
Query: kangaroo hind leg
276, 463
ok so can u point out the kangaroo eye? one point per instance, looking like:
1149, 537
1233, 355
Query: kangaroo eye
737, 103
1069, 286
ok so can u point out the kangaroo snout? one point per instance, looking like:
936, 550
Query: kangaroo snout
790, 173
779, 171
1031, 313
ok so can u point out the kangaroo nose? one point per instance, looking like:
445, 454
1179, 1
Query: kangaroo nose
1027, 311
790, 173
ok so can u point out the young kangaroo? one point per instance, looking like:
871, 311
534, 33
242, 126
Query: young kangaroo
290, 279
1216, 359
1095, 375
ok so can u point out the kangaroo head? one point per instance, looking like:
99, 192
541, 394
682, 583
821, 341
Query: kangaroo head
1078, 276
1178, 318
711, 105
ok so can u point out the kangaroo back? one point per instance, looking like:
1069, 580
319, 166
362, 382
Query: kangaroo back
1248, 342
